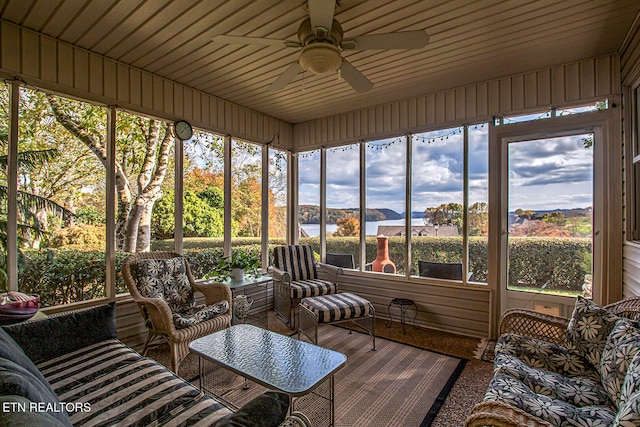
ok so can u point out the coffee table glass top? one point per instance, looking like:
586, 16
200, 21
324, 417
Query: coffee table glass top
270, 359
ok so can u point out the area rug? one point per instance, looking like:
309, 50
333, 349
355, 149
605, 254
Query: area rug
485, 350
396, 385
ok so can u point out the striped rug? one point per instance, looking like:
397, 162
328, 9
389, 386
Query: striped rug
397, 385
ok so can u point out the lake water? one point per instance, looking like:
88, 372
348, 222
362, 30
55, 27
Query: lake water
313, 230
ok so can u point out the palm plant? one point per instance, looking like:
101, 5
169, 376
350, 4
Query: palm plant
28, 204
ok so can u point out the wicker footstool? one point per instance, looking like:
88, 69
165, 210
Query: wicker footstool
336, 308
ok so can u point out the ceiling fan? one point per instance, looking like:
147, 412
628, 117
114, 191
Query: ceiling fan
321, 44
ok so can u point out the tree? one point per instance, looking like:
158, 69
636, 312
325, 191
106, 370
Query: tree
349, 226
31, 207
528, 214
199, 217
445, 214
145, 146
555, 218
478, 219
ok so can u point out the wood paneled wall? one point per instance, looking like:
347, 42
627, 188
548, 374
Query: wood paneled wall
570, 84
463, 310
53, 65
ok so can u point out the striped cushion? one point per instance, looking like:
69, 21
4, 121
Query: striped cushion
312, 288
297, 260
332, 308
125, 389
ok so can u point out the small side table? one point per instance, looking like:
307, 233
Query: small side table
257, 288
403, 304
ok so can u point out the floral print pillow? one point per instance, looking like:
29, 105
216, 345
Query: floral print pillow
629, 413
622, 346
589, 328
166, 279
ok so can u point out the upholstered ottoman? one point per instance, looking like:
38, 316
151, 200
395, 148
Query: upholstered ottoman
336, 308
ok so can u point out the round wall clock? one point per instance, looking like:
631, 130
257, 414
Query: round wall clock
183, 130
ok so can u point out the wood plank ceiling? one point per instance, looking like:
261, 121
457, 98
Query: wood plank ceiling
470, 41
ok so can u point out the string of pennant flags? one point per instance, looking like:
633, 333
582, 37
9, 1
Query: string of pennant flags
377, 145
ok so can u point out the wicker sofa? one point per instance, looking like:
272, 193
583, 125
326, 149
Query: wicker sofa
71, 370
552, 371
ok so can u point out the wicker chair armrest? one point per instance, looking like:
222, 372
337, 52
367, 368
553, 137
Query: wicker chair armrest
628, 307
498, 414
213, 292
296, 419
529, 323
280, 276
159, 314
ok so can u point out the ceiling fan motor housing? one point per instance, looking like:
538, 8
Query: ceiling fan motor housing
307, 35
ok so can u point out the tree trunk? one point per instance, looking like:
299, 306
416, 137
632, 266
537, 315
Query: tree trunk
133, 221
144, 228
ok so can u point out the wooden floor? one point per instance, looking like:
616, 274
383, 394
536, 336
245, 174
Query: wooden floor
468, 390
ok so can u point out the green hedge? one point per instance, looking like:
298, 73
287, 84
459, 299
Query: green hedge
554, 262
63, 276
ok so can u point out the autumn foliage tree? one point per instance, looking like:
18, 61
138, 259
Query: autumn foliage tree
538, 228
349, 226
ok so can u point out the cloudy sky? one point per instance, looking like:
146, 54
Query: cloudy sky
545, 174
551, 173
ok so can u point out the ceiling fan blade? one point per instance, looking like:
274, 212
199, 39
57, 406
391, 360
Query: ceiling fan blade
321, 14
401, 40
286, 77
355, 78
253, 40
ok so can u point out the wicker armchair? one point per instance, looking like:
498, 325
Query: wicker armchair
541, 326
160, 317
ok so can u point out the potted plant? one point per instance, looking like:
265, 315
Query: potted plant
240, 262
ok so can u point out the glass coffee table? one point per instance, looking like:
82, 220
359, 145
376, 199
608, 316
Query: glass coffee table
275, 361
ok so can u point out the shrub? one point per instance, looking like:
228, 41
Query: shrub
66, 276
62, 276
553, 262
83, 237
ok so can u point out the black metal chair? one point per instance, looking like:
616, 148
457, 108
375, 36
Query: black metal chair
441, 270
340, 260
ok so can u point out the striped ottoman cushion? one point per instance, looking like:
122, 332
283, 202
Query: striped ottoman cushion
312, 288
125, 389
336, 307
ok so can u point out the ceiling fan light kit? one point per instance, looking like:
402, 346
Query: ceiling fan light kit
320, 58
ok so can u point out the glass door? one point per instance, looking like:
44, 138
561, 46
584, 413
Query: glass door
549, 222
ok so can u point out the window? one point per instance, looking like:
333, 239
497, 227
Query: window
309, 199
144, 188
343, 201
437, 202
385, 204
442, 184
61, 199
478, 204
246, 192
203, 203
633, 176
277, 196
